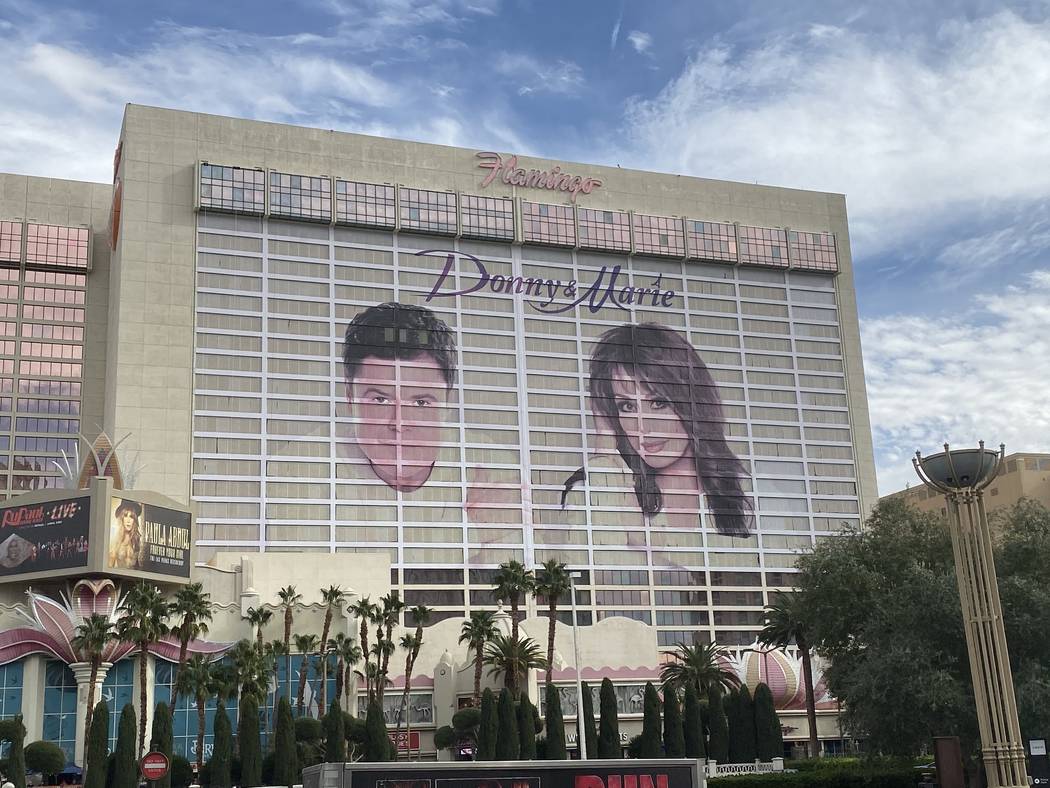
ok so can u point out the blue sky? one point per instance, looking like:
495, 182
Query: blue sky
930, 117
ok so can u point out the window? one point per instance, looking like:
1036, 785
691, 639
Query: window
47, 244
60, 706
10, 242
763, 246
366, 204
658, 235
428, 211
548, 224
232, 189
813, 251
712, 241
488, 217
607, 231
300, 197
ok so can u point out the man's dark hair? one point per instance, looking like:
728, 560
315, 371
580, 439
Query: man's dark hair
399, 331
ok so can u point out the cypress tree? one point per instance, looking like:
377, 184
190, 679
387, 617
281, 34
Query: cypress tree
284, 771
674, 736
649, 744
526, 729
16, 757
742, 728
488, 729
248, 743
160, 739
125, 768
222, 749
377, 741
590, 734
732, 709
718, 725
769, 739
508, 746
555, 726
608, 723
97, 747
693, 725
335, 734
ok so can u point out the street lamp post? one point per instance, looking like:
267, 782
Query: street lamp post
961, 476
581, 737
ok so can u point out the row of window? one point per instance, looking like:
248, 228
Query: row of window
44, 244
310, 198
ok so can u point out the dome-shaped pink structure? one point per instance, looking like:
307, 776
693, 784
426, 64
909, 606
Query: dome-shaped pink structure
781, 671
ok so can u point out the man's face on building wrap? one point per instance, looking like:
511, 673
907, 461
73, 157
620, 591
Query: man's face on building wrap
398, 409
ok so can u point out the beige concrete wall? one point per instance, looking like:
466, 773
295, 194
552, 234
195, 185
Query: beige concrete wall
151, 329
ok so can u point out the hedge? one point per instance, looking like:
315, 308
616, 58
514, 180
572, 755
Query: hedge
880, 777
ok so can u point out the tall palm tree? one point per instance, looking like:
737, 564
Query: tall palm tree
196, 680
332, 597
786, 624
351, 653
274, 651
382, 650
513, 658
144, 622
511, 583
410, 643
89, 642
192, 609
391, 607
259, 617
476, 632
552, 585
251, 669
363, 609
289, 598
700, 665
305, 645
338, 646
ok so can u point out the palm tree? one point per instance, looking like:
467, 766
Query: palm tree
477, 631
513, 658
251, 669
144, 622
512, 581
192, 606
305, 645
289, 598
364, 610
786, 623
332, 597
410, 643
89, 642
196, 680
351, 656
391, 615
259, 617
274, 652
339, 645
700, 665
552, 585
382, 650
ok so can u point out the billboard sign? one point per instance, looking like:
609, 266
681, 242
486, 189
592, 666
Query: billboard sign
44, 537
148, 538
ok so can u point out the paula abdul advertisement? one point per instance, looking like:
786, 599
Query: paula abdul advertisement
44, 537
148, 538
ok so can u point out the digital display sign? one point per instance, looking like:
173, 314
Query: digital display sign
44, 537
148, 538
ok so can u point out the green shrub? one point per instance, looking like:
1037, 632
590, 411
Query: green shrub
181, 771
308, 729
444, 737
466, 719
875, 775
45, 757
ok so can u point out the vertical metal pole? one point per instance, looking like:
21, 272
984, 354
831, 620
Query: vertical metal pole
581, 737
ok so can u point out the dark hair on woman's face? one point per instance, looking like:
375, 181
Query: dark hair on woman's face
663, 361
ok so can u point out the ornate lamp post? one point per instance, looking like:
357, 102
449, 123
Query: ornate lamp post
961, 476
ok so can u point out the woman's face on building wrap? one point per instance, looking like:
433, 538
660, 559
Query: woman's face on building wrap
127, 519
649, 421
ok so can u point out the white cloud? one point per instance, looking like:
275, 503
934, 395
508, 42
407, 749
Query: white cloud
980, 376
536, 76
640, 41
915, 130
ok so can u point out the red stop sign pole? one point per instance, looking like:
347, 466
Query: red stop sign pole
154, 765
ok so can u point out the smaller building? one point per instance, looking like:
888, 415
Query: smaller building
1024, 475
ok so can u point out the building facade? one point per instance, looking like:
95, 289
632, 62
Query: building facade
364, 351
1024, 475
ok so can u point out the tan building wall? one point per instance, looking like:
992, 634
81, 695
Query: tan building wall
150, 363
1024, 475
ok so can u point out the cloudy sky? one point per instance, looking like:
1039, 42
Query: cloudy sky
930, 117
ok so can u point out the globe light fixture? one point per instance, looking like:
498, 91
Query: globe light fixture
961, 475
